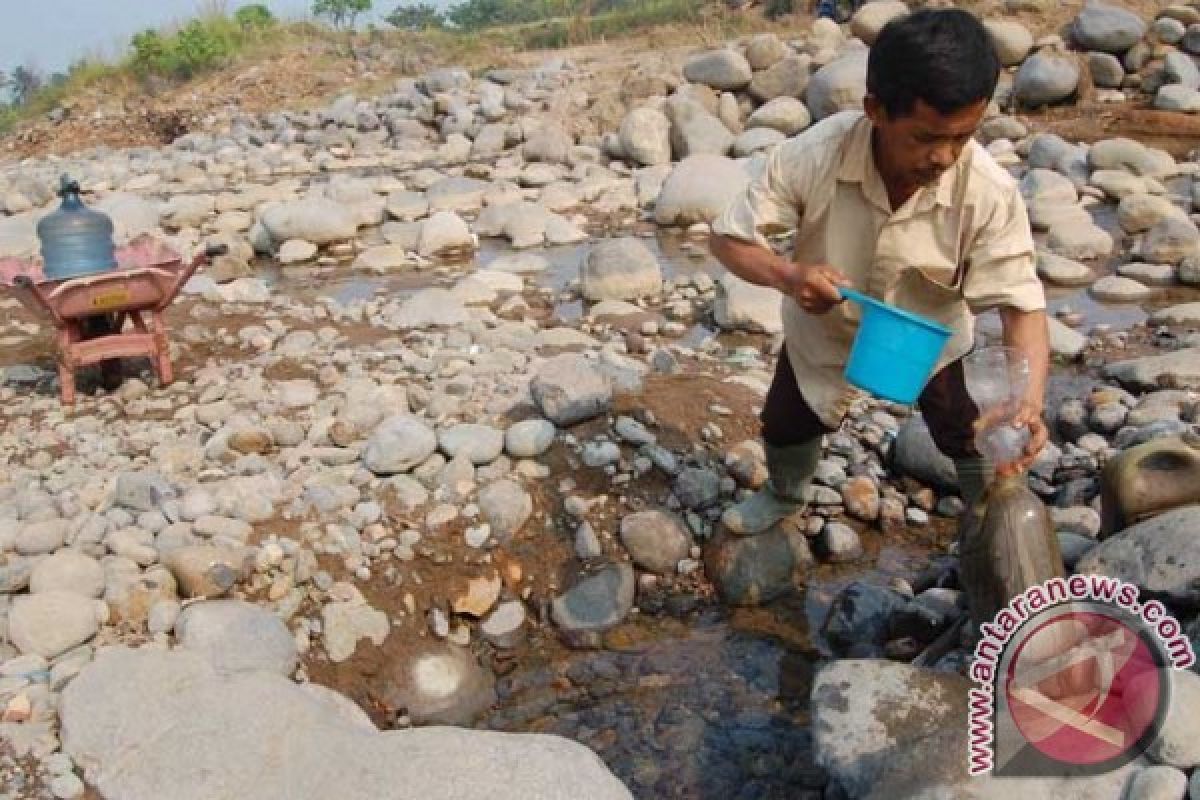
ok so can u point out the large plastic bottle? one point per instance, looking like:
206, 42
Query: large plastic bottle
1008, 544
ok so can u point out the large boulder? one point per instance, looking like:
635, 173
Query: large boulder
839, 85
1111, 29
312, 219
620, 269
570, 389
235, 636
1046, 77
788, 78
150, 724
726, 70
740, 305
1158, 555
1012, 40
785, 114
400, 443
915, 454
699, 189
1178, 369
695, 131
871, 18
765, 50
645, 137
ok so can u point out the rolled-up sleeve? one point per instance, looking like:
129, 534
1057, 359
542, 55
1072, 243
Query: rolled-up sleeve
1002, 261
771, 204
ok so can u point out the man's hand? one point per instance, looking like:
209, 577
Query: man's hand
814, 287
1028, 415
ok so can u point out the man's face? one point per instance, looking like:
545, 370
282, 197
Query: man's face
919, 146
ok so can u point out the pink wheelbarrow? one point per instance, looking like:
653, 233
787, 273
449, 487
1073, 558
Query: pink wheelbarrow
110, 315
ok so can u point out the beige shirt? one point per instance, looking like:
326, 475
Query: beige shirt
956, 248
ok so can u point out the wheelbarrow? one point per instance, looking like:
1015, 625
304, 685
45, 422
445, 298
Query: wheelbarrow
110, 315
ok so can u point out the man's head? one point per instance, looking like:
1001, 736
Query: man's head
930, 76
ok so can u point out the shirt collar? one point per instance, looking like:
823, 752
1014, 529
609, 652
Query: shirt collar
858, 166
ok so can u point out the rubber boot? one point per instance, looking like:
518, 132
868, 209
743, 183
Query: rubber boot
791, 470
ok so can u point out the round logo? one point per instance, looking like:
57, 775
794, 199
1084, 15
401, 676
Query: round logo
1087, 686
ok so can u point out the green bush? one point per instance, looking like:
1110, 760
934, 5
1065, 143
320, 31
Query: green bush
254, 17
199, 46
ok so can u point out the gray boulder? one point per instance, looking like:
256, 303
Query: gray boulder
506, 507
752, 570
570, 389
1158, 555
1171, 240
656, 541
740, 305
726, 70
620, 269
699, 189
871, 18
838, 86
765, 50
235, 636
788, 78
645, 136
1012, 40
1180, 68
914, 453
49, 624
694, 130
785, 114
1045, 78
598, 601
399, 443
1174, 97
1106, 70
313, 219
140, 726
1111, 29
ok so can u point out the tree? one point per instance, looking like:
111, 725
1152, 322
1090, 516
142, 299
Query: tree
341, 11
254, 16
416, 17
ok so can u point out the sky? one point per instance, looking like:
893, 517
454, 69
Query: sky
51, 34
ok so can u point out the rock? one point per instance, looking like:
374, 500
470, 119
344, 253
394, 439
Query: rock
1117, 289
839, 85
1178, 742
481, 444
49, 624
506, 507
430, 308
1065, 342
1158, 555
345, 623
203, 570
751, 570
400, 443
1080, 238
235, 636
697, 488
570, 389
1045, 78
1141, 212
785, 114
407, 206
860, 496
1062, 271
860, 614
695, 131
699, 189
788, 78
1177, 369
550, 144
1106, 70
1183, 314
620, 269
839, 543
529, 438
480, 597
1012, 40
141, 723
914, 453
597, 602
39, 538
1157, 783
1169, 30
68, 571
505, 626
726, 70
1171, 240
313, 219
1174, 97
443, 233
1111, 29
871, 17
1127, 154
645, 136
740, 305
1189, 271
1047, 187
879, 725
142, 491
440, 684
656, 541
765, 50
1180, 68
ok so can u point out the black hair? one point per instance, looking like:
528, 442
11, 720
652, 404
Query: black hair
943, 57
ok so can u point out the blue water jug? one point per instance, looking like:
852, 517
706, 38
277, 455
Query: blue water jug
76, 240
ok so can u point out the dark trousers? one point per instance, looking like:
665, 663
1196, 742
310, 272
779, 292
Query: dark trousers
948, 410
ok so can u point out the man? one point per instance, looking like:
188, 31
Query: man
898, 201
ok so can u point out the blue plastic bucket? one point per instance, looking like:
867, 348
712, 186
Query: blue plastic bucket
894, 351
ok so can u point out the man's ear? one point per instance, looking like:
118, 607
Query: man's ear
874, 109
